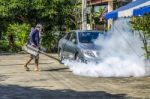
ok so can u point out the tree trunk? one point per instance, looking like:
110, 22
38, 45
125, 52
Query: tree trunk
11, 42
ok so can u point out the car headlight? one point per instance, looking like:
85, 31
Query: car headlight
88, 53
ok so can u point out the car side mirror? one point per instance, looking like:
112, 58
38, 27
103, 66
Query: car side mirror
74, 41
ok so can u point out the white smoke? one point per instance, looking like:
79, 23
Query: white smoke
121, 54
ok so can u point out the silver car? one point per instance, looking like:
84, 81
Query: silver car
79, 45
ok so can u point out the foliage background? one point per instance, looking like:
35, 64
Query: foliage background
18, 16
141, 26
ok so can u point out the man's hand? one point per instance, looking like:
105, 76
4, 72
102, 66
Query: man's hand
33, 45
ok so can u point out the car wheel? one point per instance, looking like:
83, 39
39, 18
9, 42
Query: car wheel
61, 58
77, 58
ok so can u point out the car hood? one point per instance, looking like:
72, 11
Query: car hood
89, 46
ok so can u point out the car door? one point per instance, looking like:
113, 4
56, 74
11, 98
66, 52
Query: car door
65, 45
72, 45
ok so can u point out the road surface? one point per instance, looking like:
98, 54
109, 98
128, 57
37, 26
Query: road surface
55, 81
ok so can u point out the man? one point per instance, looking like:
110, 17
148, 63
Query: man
34, 40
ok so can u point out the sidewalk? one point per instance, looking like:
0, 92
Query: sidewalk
55, 81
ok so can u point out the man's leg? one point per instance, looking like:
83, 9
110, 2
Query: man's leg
37, 63
26, 65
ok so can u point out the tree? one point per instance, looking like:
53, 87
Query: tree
141, 25
69, 14
53, 14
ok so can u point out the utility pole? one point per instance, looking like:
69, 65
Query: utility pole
110, 8
84, 15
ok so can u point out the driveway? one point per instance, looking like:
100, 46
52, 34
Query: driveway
55, 81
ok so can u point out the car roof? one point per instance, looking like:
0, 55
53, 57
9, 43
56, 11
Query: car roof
87, 31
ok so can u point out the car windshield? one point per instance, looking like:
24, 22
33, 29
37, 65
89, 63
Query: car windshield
88, 37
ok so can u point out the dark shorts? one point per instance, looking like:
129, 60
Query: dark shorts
35, 57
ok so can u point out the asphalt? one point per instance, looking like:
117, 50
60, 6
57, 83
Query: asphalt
55, 81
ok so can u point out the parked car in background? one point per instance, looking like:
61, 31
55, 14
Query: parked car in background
79, 45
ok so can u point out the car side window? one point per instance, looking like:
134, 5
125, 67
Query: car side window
73, 37
68, 36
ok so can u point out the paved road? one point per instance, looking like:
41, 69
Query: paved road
55, 81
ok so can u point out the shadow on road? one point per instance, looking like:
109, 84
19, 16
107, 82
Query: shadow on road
18, 92
3, 77
57, 69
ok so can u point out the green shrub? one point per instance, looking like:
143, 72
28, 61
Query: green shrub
50, 40
17, 35
141, 26
3, 45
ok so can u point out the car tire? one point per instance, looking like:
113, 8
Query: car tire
60, 57
77, 58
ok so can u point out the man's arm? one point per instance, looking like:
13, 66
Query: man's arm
32, 38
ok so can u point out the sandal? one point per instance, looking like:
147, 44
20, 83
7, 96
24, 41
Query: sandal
26, 68
37, 69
